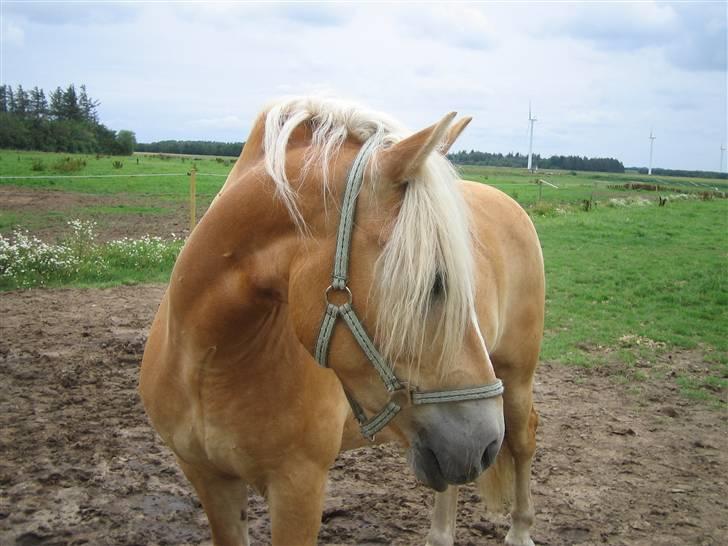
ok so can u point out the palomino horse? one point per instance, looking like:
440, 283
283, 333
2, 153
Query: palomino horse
447, 275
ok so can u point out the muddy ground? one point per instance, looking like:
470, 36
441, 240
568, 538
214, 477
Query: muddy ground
616, 463
45, 213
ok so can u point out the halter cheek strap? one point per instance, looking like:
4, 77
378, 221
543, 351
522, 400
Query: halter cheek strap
401, 395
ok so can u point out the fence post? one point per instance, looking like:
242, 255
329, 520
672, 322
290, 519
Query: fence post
193, 205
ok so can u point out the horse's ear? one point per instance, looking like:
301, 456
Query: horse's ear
404, 158
453, 134
253, 148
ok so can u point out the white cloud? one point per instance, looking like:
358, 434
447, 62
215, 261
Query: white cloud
692, 36
55, 13
598, 76
12, 34
629, 26
224, 123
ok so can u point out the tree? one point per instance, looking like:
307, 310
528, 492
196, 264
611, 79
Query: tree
105, 139
4, 98
88, 106
56, 106
38, 104
196, 147
71, 108
10, 99
69, 124
14, 132
21, 104
125, 142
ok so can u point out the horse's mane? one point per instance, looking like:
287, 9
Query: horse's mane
430, 238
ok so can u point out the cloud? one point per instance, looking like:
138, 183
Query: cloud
702, 41
317, 15
465, 27
690, 36
225, 123
70, 13
623, 27
599, 76
12, 34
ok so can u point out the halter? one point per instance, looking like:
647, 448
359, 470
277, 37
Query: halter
401, 395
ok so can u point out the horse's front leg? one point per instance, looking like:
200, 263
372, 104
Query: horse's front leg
521, 437
225, 500
444, 513
295, 496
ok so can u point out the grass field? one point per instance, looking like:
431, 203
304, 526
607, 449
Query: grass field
627, 281
627, 285
575, 187
135, 189
572, 187
53, 176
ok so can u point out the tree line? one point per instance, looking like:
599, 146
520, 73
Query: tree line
192, 147
66, 121
562, 162
683, 173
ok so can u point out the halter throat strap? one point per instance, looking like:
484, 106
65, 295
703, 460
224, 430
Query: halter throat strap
401, 395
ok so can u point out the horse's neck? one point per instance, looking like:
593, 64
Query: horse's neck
229, 285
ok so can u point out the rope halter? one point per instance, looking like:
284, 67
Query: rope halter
401, 395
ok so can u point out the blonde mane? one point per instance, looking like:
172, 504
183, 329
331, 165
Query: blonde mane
430, 238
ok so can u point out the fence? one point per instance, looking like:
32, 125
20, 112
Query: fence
553, 190
192, 174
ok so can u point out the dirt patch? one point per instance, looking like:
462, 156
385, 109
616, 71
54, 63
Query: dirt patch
80, 464
45, 213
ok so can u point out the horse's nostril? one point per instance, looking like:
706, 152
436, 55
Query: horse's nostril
490, 454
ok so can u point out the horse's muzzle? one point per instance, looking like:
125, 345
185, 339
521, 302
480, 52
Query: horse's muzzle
460, 443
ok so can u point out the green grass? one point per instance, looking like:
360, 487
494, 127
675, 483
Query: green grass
79, 260
627, 282
119, 209
654, 275
658, 273
574, 188
707, 387
140, 195
10, 220
20, 163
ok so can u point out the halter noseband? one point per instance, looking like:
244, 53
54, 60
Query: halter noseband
401, 395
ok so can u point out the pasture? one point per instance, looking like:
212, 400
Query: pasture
632, 388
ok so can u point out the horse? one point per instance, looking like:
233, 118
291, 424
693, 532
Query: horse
344, 278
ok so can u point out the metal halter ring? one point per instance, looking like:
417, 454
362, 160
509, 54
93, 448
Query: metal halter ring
402, 396
330, 288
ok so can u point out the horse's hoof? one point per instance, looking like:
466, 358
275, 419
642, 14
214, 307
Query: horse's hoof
439, 540
518, 539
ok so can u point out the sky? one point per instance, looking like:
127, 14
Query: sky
599, 75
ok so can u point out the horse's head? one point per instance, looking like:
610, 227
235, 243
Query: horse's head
407, 271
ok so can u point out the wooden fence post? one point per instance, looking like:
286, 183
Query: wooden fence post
193, 204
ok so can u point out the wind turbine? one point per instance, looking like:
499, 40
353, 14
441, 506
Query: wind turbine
531, 120
652, 142
722, 151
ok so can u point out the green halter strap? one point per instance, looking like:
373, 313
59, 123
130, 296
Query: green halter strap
400, 395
